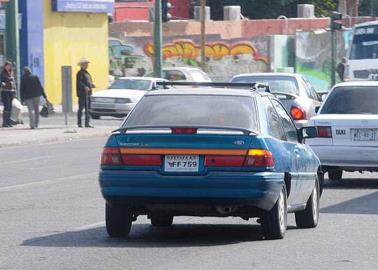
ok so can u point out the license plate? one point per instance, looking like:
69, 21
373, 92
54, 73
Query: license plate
181, 163
102, 106
105, 100
364, 134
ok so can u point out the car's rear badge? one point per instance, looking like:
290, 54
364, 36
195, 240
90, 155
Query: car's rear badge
340, 132
239, 142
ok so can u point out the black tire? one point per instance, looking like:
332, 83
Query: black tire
274, 222
95, 116
335, 175
118, 220
309, 218
161, 221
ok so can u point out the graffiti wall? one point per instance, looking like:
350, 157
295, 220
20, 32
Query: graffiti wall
225, 58
313, 55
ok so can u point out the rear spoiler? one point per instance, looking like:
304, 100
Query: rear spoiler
131, 128
250, 86
285, 95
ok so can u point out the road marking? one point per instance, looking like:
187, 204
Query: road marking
89, 226
46, 182
24, 160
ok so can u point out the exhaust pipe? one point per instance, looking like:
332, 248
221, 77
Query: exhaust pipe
225, 210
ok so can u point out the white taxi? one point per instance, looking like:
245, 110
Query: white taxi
347, 129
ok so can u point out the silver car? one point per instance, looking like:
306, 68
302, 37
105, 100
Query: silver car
296, 94
121, 96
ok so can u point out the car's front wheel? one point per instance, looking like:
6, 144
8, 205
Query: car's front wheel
309, 218
118, 220
335, 175
162, 221
274, 222
95, 116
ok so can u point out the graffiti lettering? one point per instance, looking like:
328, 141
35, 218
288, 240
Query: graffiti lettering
186, 49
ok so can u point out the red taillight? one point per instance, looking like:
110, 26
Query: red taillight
184, 130
324, 132
141, 160
259, 158
224, 161
254, 158
111, 156
297, 113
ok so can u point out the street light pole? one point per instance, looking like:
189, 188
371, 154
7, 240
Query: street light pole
158, 40
203, 34
12, 46
333, 56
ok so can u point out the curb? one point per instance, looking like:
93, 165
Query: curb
65, 136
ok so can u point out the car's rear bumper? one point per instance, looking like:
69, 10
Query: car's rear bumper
254, 189
347, 156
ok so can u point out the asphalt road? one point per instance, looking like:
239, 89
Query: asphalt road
51, 217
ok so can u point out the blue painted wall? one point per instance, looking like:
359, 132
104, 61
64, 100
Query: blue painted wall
31, 36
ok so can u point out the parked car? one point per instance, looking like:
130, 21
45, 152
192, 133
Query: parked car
185, 74
347, 129
214, 152
121, 96
295, 92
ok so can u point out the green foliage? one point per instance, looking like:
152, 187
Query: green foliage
323, 7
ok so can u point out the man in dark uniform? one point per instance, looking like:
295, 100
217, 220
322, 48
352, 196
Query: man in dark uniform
84, 85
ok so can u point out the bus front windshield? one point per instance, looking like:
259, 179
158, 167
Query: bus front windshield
365, 43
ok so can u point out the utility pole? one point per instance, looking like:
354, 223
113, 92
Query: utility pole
12, 46
336, 25
203, 35
158, 40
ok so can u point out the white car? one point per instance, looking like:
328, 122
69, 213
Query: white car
347, 129
121, 96
296, 94
185, 74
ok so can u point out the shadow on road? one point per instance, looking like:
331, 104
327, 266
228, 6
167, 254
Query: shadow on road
352, 183
364, 205
144, 235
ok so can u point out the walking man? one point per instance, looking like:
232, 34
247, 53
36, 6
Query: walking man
84, 86
31, 92
340, 69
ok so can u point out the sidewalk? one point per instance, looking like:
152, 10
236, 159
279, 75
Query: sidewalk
22, 135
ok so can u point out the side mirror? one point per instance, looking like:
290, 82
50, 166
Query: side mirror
317, 108
307, 133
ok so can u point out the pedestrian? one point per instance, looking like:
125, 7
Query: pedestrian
340, 69
84, 86
8, 92
31, 92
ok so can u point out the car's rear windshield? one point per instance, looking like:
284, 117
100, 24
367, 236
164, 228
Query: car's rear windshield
277, 84
195, 111
134, 84
352, 100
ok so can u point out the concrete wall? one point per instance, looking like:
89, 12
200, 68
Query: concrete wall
227, 29
69, 37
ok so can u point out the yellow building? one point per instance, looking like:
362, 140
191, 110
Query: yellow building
69, 36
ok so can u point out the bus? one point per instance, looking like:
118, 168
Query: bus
362, 57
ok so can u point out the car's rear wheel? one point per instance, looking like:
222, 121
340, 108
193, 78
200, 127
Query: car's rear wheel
309, 218
335, 175
161, 221
274, 222
95, 116
118, 220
